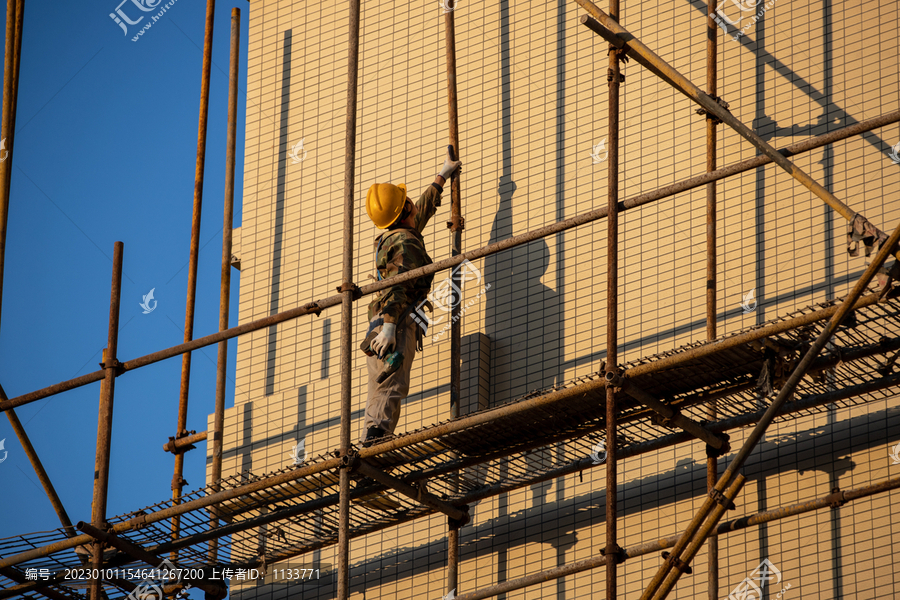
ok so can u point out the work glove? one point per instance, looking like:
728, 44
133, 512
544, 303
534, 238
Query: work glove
450, 167
385, 341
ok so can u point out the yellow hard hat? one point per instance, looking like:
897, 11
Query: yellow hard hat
384, 203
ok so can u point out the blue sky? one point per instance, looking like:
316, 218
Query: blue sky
105, 150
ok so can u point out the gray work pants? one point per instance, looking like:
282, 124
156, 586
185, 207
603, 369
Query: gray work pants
383, 403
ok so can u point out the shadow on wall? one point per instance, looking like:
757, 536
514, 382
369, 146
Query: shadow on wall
278, 226
524, 343
814, 449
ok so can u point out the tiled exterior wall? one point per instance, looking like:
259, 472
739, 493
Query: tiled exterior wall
533, 104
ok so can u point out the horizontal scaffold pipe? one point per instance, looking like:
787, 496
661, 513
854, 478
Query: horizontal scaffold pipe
449, 263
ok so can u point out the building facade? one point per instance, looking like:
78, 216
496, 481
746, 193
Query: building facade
533, 128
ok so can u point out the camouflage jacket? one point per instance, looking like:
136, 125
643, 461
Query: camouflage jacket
400, 250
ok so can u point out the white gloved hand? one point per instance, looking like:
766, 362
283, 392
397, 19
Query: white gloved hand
385, 341
450, 167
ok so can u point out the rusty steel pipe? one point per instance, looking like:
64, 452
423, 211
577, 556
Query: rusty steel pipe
667, 542
703, 533
456, 225
712, 461
416, 493
449, 263
14, 18
105, 415
138, 553
181, 444
620, 37
225, 276
666, 411
786, 391
177, 476
612, 312
343, 583
39, 469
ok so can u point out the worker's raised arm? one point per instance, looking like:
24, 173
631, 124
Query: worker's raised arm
428, 201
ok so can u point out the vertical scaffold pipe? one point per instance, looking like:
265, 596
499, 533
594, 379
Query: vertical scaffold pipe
225, 279
712, 473
105, 419
456, 226
14, 18
177, 479
15, 10
347, 287
612, 257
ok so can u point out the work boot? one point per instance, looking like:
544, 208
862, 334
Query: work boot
373, 434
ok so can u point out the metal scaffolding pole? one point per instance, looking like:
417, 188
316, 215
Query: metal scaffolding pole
315, 308
713, 454
669, 414
674, 566
225, 278
39, 469
612, 318
456, 225
349, 291
618, 36
177, 477
105, 417
15, 10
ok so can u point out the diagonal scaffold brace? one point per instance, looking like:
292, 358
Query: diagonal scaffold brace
700, 527
618, 36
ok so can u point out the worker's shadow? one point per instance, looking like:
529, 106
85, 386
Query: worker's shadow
523, 319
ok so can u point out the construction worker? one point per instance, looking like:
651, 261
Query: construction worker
401, 248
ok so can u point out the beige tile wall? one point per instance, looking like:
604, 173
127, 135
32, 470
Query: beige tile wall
805, 69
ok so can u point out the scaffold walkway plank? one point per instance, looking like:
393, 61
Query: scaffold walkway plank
543, 435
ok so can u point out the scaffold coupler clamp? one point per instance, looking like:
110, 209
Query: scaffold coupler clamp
350, 460
457, 523
616, 551
114, 363
677, 563
713, 452
836, 498
658, 419
614, 380
456, 223
172, 447
720, 498
178, 482
609, 72
349, 286
314, 308
718, 100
